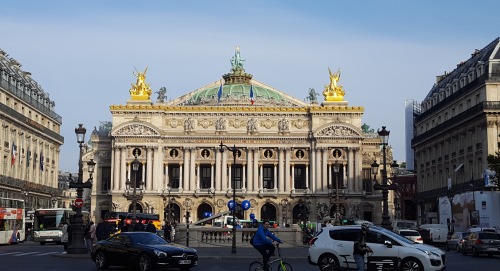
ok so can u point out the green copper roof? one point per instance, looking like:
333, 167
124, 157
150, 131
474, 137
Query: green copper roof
237, 94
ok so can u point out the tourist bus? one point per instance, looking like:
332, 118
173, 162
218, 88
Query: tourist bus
11, 221
116, 220
47, 224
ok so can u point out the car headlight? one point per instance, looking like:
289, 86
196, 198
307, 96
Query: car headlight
36, 234
160, 254
430, 253
59, 233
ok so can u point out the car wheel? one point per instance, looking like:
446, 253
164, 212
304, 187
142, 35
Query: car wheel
411, 264
490, 255
327, 262
145, 263
42, 243
447, 247
464, 251
100, 260
457, 248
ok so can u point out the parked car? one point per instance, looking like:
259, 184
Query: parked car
434, 234
331, 242
476, 229
482, 243
413, 235
143, 250
456, 241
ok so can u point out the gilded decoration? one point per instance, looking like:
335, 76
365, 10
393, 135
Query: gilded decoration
141, 90
268, 123
334, 92
237, 123
337, 131
135, 130
299, 124
174, 123
205, 123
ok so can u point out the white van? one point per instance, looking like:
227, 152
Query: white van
434, 233
401, 224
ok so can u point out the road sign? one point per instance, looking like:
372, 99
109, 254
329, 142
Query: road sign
78, 203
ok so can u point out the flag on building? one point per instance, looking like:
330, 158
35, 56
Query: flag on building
14, 153
41, 161
219, 93
28, 158
252, 97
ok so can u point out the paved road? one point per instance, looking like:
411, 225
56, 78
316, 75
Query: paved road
31, 256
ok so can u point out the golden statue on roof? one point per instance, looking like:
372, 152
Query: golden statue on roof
141, 90
334, 92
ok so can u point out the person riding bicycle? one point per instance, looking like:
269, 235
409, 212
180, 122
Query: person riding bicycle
360, 248
262, 243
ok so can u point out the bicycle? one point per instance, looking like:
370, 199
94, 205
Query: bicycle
282, 265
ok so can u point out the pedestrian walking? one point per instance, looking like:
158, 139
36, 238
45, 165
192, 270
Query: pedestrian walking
167, 232
64, 237
151, 227
90, 237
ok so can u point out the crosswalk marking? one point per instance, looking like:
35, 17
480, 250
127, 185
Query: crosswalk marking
9, 253
24, 254
34, 254
44, 254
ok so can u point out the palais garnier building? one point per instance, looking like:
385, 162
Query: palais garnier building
291, 160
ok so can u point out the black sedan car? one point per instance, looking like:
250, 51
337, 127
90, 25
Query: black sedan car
144, 250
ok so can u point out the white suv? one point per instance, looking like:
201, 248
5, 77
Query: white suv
331, 244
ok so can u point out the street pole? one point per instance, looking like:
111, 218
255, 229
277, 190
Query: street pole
234, 150
135, 168
386, 222
77, 245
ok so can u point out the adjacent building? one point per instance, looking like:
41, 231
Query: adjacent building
456, 127
30, 138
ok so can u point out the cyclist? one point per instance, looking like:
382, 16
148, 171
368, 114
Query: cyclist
262, 243
360, 248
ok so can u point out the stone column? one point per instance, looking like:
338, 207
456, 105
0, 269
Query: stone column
255, 179
124, 169
281, 171
185, 183
192, 171
224, 171
287, 170
350, 175
149, 168
249, 171
324, 162
115, 165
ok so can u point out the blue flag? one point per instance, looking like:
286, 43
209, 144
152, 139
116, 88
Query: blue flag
219, 93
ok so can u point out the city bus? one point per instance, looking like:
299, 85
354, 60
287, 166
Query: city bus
114, 219
47, 224
11, 221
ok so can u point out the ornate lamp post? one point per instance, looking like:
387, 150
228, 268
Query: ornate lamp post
134, 197
234, 150
385, 187
77, 245
168, 206
336, 169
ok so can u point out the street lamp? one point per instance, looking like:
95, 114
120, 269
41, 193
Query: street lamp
168, 188
235, 151
77, 245
134, 197
336, 169
386, 222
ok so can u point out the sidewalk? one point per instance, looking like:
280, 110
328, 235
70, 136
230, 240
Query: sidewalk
222, 253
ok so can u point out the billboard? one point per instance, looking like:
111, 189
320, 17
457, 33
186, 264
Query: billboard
490, 178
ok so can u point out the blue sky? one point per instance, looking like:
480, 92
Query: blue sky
83, 53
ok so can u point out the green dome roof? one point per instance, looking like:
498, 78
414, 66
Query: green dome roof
237, 94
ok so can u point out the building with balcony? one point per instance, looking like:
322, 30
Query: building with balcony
456, 127
29, 138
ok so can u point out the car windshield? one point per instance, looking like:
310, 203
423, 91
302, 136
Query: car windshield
395, 236
147, 239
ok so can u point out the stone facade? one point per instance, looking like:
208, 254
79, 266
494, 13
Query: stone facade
286, 152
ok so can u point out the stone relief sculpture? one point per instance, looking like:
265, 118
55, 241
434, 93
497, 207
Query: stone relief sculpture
189, 124
252, 126
283, 125
116, 206
136, 129
220, 124
337, 131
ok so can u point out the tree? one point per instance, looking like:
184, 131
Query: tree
494, 163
